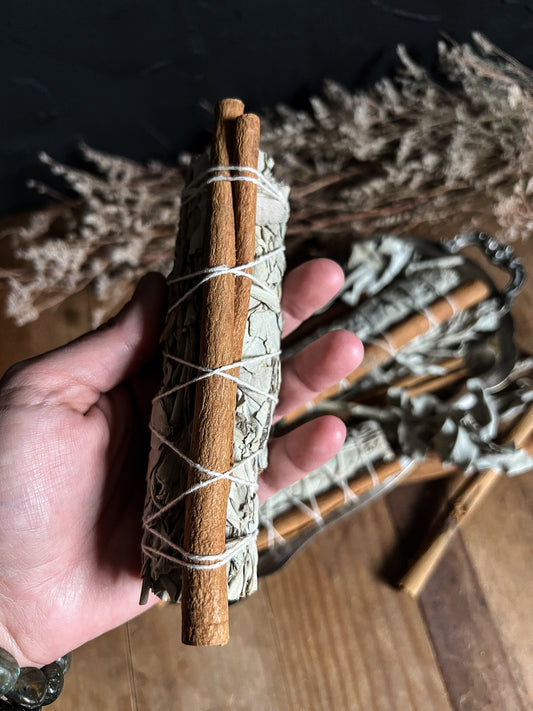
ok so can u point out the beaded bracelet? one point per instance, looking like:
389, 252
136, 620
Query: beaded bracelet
30, 687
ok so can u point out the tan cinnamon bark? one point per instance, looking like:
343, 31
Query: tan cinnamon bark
438, 382
379, 351
204, 592
295, 521
462, 505
246, 153
453, 369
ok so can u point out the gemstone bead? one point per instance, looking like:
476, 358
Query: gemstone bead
54, 682
8, 706
64, 662
9, 671
11, 706
30, 688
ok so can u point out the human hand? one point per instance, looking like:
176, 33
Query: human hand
73, 453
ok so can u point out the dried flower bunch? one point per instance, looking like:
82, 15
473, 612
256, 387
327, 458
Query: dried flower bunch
407, 152
412, 151
122, 225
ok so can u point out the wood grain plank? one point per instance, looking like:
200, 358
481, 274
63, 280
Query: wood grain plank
351, 641
99, 678
479, 673
245, 674
480, 670
499, 541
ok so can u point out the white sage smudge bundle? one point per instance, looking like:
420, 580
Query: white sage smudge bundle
422, 410
164, 555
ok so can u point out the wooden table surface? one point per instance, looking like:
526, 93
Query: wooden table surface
330, 631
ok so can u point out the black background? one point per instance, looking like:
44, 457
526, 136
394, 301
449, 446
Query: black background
135, 77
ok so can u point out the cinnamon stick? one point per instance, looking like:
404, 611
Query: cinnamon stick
379, 351
449, 365
293, 522
204, 591
462, 505
438, 382
246, 153
454, 369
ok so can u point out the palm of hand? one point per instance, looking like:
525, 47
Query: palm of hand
73, 520
73, 461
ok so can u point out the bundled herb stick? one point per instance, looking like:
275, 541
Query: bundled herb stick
211, 418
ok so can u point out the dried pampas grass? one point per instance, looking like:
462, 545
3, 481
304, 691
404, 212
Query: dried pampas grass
411, 151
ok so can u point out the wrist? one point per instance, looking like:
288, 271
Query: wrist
24, 683
28, 686
9, 645
12, 644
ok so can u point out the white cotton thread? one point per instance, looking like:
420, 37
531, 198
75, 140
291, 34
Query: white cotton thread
367, 462
348, 494
274, 537
212, 272
344, 384
310, 507
432, 321
373, 474
340, 482
310, 511
314, 505
213, 475
208, 372
216, 174
451, 303
384, 343
222, 269
202, 562
186, 558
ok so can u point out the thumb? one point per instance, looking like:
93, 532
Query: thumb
98, 361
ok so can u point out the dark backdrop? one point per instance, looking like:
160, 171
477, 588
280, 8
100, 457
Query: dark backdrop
133, 77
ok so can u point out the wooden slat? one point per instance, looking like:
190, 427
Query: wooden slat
479, 672
246, 674
499, 542
350, 641
100, 676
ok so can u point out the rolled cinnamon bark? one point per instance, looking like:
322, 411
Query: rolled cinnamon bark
379, 351
246, 153
204, 591
291, 523
295, 521
461, 506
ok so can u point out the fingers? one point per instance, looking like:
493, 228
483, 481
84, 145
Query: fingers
301, 451
316, 367
306, 289
77, 373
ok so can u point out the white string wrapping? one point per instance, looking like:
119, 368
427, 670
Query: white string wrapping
235, 546
352, 460
189, 559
